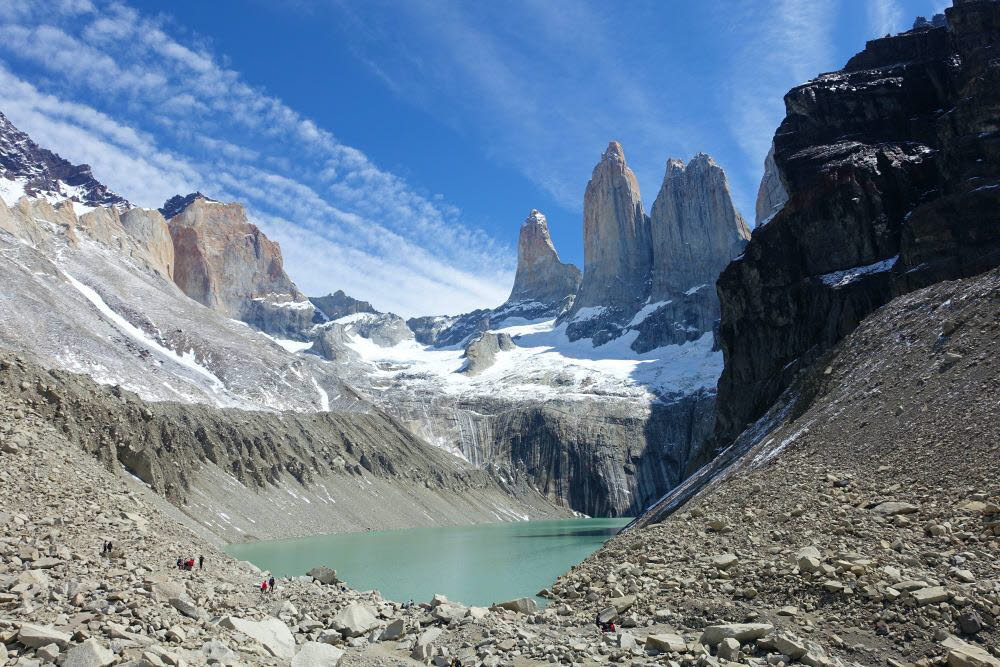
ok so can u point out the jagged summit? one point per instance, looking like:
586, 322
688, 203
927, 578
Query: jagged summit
339, 304
695, 228
38, 172
178, 203
541, 277
617, 250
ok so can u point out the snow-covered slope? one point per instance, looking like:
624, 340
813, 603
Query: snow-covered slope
82, 294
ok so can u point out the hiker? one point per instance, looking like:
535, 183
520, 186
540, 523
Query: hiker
263, 586
190, 564
180, 563
201, 562
270, 583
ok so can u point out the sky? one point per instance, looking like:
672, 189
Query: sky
393, 147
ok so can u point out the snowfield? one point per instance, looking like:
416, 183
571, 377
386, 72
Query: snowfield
546, 364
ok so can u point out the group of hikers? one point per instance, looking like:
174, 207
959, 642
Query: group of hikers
106, 549
188, 563
267, 585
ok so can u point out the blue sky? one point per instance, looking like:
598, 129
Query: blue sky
393, 148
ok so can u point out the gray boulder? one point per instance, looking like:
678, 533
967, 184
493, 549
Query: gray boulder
520, 605
90, 653
324, 575
354, 620
271, 633
316, 654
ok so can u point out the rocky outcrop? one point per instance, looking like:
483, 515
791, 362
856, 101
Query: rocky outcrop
892, 167
540, 276
178, 203
42, 172
337, 305
150, 229
482, 351
670, 257
771, 195
617, 246
696, 230
226, 263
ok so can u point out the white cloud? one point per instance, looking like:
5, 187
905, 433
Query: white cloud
781, 44
885, 17
155, 117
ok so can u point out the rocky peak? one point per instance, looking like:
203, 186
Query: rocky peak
40, 172
541, 277
696, 230
337, 305
616, 237
226, 263
178, 203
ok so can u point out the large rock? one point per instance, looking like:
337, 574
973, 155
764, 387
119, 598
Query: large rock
964, 654
666, 643
540, 275
90, 653
37, 636
617, 248
696, 230
324, 575
354, 620
317, 654
741, 632
481, 352
423, 647
520, 605
271, 633
227, 264
893, 184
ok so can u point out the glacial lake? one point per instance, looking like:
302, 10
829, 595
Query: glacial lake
475, 565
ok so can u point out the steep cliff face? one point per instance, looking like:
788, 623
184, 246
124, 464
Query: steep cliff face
150, 229
892, 167
617, 248
227, 264
540, 276
671, 258
771, 195
696, 229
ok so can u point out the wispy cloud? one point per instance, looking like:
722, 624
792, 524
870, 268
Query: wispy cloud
155, 116
543, 86
779, 45
885, 17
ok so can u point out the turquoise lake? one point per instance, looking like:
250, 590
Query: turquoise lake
476, 565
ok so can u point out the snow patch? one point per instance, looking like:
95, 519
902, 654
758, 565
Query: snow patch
838, 279
187, 359
645, 312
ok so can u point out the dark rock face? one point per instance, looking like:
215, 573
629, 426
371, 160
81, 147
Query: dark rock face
46, 172
601, 462
228, 264
337, 305
892, 167
178, 203
541, 277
